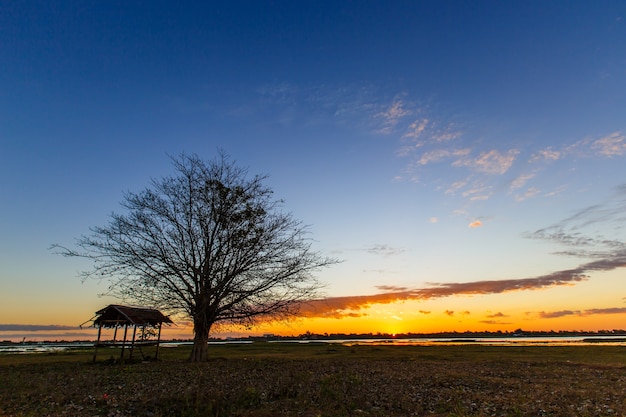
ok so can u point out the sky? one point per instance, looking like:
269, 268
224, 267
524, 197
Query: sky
464, 160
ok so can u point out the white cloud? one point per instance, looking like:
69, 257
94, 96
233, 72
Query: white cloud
392, 116
531, 192
492, 162
433, 156
416, 129
547, 154
457, 185
555, 192
611, 145
445, 137
475, 224
439, 154
408, 150
481, 193
425, 138
480, 197
520, 181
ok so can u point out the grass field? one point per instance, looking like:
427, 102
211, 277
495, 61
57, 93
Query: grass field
268, 379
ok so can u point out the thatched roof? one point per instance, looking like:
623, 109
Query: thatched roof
117, 315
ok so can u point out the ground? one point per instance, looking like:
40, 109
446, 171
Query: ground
266, 379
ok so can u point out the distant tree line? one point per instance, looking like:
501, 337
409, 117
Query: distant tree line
456, 335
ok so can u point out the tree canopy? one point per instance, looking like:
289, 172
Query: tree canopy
209, 242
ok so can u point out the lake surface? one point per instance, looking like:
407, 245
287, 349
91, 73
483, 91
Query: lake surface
43, 347
491, 341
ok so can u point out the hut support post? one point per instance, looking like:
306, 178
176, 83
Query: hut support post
156, 353
132, 344
124, 342
95, 351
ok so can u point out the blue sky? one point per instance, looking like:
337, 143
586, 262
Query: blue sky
424, 142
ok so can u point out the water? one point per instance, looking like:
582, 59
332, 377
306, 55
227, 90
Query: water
43, 347
487, 341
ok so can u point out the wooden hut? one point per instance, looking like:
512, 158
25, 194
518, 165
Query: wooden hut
148, 321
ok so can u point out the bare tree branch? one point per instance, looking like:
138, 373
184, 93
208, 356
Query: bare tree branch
209, 243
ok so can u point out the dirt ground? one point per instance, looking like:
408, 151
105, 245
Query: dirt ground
337, 381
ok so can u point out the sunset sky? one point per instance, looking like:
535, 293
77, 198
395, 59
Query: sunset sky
465, 160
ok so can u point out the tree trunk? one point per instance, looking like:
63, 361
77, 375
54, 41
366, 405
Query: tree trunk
200, 350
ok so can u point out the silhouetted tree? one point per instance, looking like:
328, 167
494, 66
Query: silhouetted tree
209, 242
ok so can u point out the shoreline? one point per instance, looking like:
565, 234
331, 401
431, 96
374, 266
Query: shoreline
7, 347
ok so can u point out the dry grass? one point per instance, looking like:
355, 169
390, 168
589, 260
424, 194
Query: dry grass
321, 380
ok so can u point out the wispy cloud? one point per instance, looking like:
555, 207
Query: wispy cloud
384, 250
391, 116
457, 185
354, 306
576, 234
441, 154
496, 315
489, 162
611, 145
494, 322
391, 288
547, 154
521, 180
428, 141
555, 192
34, 328
452, 313
574, 239
446, 136
478, 193
378, 271
475, 224
479, 168
495, 319
415, 130
529, 193
581, 313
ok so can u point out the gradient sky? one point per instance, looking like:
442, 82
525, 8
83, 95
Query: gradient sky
465, 160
